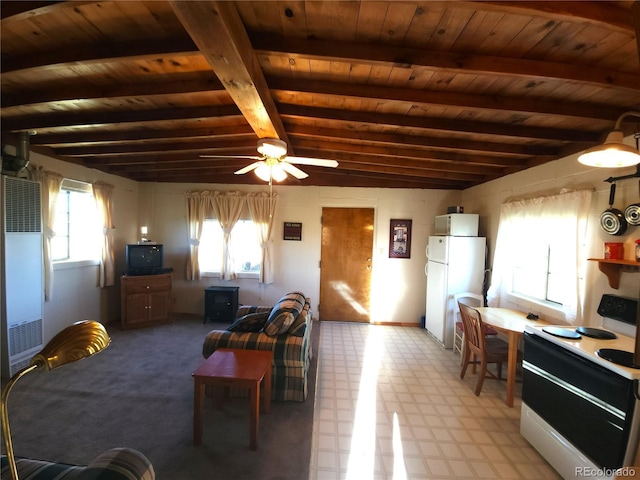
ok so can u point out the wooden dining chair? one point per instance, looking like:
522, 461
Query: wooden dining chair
472, 300
485, 350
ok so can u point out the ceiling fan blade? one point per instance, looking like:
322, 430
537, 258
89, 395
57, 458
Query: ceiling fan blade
295, 171
312, 161
248, 168
249, 157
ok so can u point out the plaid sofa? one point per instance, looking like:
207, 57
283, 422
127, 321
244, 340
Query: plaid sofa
291, 352
114, 464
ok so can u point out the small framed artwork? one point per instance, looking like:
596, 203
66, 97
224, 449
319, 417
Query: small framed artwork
292, 231
400, 239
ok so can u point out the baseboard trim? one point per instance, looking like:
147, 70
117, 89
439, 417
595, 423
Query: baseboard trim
397, 324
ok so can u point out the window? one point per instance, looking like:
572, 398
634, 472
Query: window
540, 254
244, 247
544, 273
78, 232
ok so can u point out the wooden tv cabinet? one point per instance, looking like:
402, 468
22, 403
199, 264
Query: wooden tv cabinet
145, 300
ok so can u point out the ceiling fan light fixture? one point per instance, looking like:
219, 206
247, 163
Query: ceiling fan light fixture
266, 172
272, 147
277, 173
263, 172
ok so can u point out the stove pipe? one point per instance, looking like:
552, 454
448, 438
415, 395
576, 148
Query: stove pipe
15, 163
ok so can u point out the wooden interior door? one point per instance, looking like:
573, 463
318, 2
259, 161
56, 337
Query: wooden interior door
345, 264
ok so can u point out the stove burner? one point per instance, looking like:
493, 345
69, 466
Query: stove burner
596, 333
619, 357
562, 332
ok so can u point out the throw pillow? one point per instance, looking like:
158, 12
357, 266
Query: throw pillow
284, 313
252, 322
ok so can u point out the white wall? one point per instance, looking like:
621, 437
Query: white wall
76, 294
550, 178
398, 284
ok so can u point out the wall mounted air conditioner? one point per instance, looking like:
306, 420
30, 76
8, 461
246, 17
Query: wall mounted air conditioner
21, 278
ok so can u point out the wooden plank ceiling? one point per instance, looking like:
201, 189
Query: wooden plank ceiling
441, 95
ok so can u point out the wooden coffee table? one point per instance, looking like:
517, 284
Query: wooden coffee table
228, 367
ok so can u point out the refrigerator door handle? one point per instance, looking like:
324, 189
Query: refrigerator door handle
426, 269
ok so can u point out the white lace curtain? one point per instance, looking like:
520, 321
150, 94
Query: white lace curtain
524, 223
227, 208
103, 195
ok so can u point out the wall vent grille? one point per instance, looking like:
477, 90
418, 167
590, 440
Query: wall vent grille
16, 367
22, 206
24, 337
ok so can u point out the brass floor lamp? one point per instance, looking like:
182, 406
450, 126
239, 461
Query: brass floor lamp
80, 340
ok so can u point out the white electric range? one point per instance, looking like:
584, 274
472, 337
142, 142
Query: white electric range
580, 409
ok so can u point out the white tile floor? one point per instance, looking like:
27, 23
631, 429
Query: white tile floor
390, 405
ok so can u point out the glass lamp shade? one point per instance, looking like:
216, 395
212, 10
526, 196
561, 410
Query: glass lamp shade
613, 153
263, 172
267, 172
277, 173
272, 147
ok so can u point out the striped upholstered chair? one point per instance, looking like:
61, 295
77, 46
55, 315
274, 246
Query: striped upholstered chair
114, 464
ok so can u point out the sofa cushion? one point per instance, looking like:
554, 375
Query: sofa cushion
284, 313
252, 322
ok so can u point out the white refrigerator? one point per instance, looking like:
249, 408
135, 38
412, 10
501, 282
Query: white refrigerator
454, 265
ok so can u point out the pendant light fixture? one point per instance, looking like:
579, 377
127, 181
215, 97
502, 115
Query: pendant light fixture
613, 153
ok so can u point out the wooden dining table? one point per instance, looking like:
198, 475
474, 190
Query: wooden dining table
511, 323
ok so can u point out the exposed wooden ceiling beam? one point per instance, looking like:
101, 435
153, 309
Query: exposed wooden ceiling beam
186, 145
392, 55
438, 124
152, 48
111, 137
230, 54
30, 9
426, 97
420, 141
91, 92
596, 13
389, 155
34, 122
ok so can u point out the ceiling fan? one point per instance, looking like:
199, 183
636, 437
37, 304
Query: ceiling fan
273, 162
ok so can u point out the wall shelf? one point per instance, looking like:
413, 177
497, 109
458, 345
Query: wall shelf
613, 268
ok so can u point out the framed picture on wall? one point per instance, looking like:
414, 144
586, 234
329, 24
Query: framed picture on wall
400, 238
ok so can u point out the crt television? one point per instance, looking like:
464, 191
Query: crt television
144, 259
